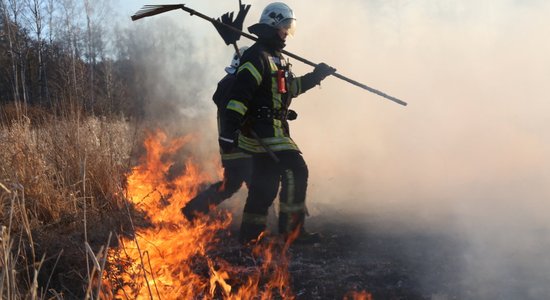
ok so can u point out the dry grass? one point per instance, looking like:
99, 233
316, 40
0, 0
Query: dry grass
61, 187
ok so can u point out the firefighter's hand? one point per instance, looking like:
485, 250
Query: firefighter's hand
292, 115
323, 70
227, 144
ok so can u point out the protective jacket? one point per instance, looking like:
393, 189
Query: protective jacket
221, 98
260, 99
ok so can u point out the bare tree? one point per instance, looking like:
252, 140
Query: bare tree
35, 8
90, 47
15, 9
96, 12
12, 41
71, 39
50, 10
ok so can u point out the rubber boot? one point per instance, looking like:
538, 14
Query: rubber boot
250, 232
289, 223
307, 238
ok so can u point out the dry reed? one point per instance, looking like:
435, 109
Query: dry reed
61, 186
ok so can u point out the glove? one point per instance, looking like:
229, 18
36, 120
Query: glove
292, 115
323, 70
227, 144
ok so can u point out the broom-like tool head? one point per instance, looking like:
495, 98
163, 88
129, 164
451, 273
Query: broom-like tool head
151, 10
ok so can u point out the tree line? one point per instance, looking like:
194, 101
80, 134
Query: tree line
58, 55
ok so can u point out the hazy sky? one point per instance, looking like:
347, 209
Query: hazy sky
471, 152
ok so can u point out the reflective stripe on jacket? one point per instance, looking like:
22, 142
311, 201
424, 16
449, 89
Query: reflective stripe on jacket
256, 87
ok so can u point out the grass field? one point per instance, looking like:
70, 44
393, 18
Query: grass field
73, 192
58, 178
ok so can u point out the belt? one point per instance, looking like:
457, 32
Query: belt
269, 113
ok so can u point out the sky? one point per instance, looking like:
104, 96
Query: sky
469, 155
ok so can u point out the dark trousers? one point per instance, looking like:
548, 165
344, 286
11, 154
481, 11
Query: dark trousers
291, 174
236, 171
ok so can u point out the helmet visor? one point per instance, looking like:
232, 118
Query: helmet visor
289, 25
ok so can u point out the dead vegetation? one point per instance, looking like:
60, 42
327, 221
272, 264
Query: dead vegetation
63, 205
57, 181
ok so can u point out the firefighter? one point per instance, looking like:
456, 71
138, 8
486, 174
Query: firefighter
237, 164
258, 107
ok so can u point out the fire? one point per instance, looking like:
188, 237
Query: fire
155, 262
363, 295
171, 258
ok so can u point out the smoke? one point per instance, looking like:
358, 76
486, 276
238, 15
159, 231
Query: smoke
467, 159
174, 80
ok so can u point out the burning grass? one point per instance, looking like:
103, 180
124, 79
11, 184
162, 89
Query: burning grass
79, 222
173, 258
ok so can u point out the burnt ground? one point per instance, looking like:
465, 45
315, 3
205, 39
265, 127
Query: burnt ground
356, 253
387, 263
386, 260
383, 255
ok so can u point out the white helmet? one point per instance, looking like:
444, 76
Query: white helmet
235, 61
279, 15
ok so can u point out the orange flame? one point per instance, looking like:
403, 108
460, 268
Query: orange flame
156, 261
160, 261
354, 295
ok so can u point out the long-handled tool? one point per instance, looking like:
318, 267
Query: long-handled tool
151, 10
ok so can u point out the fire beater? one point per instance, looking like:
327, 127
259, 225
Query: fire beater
151, 10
